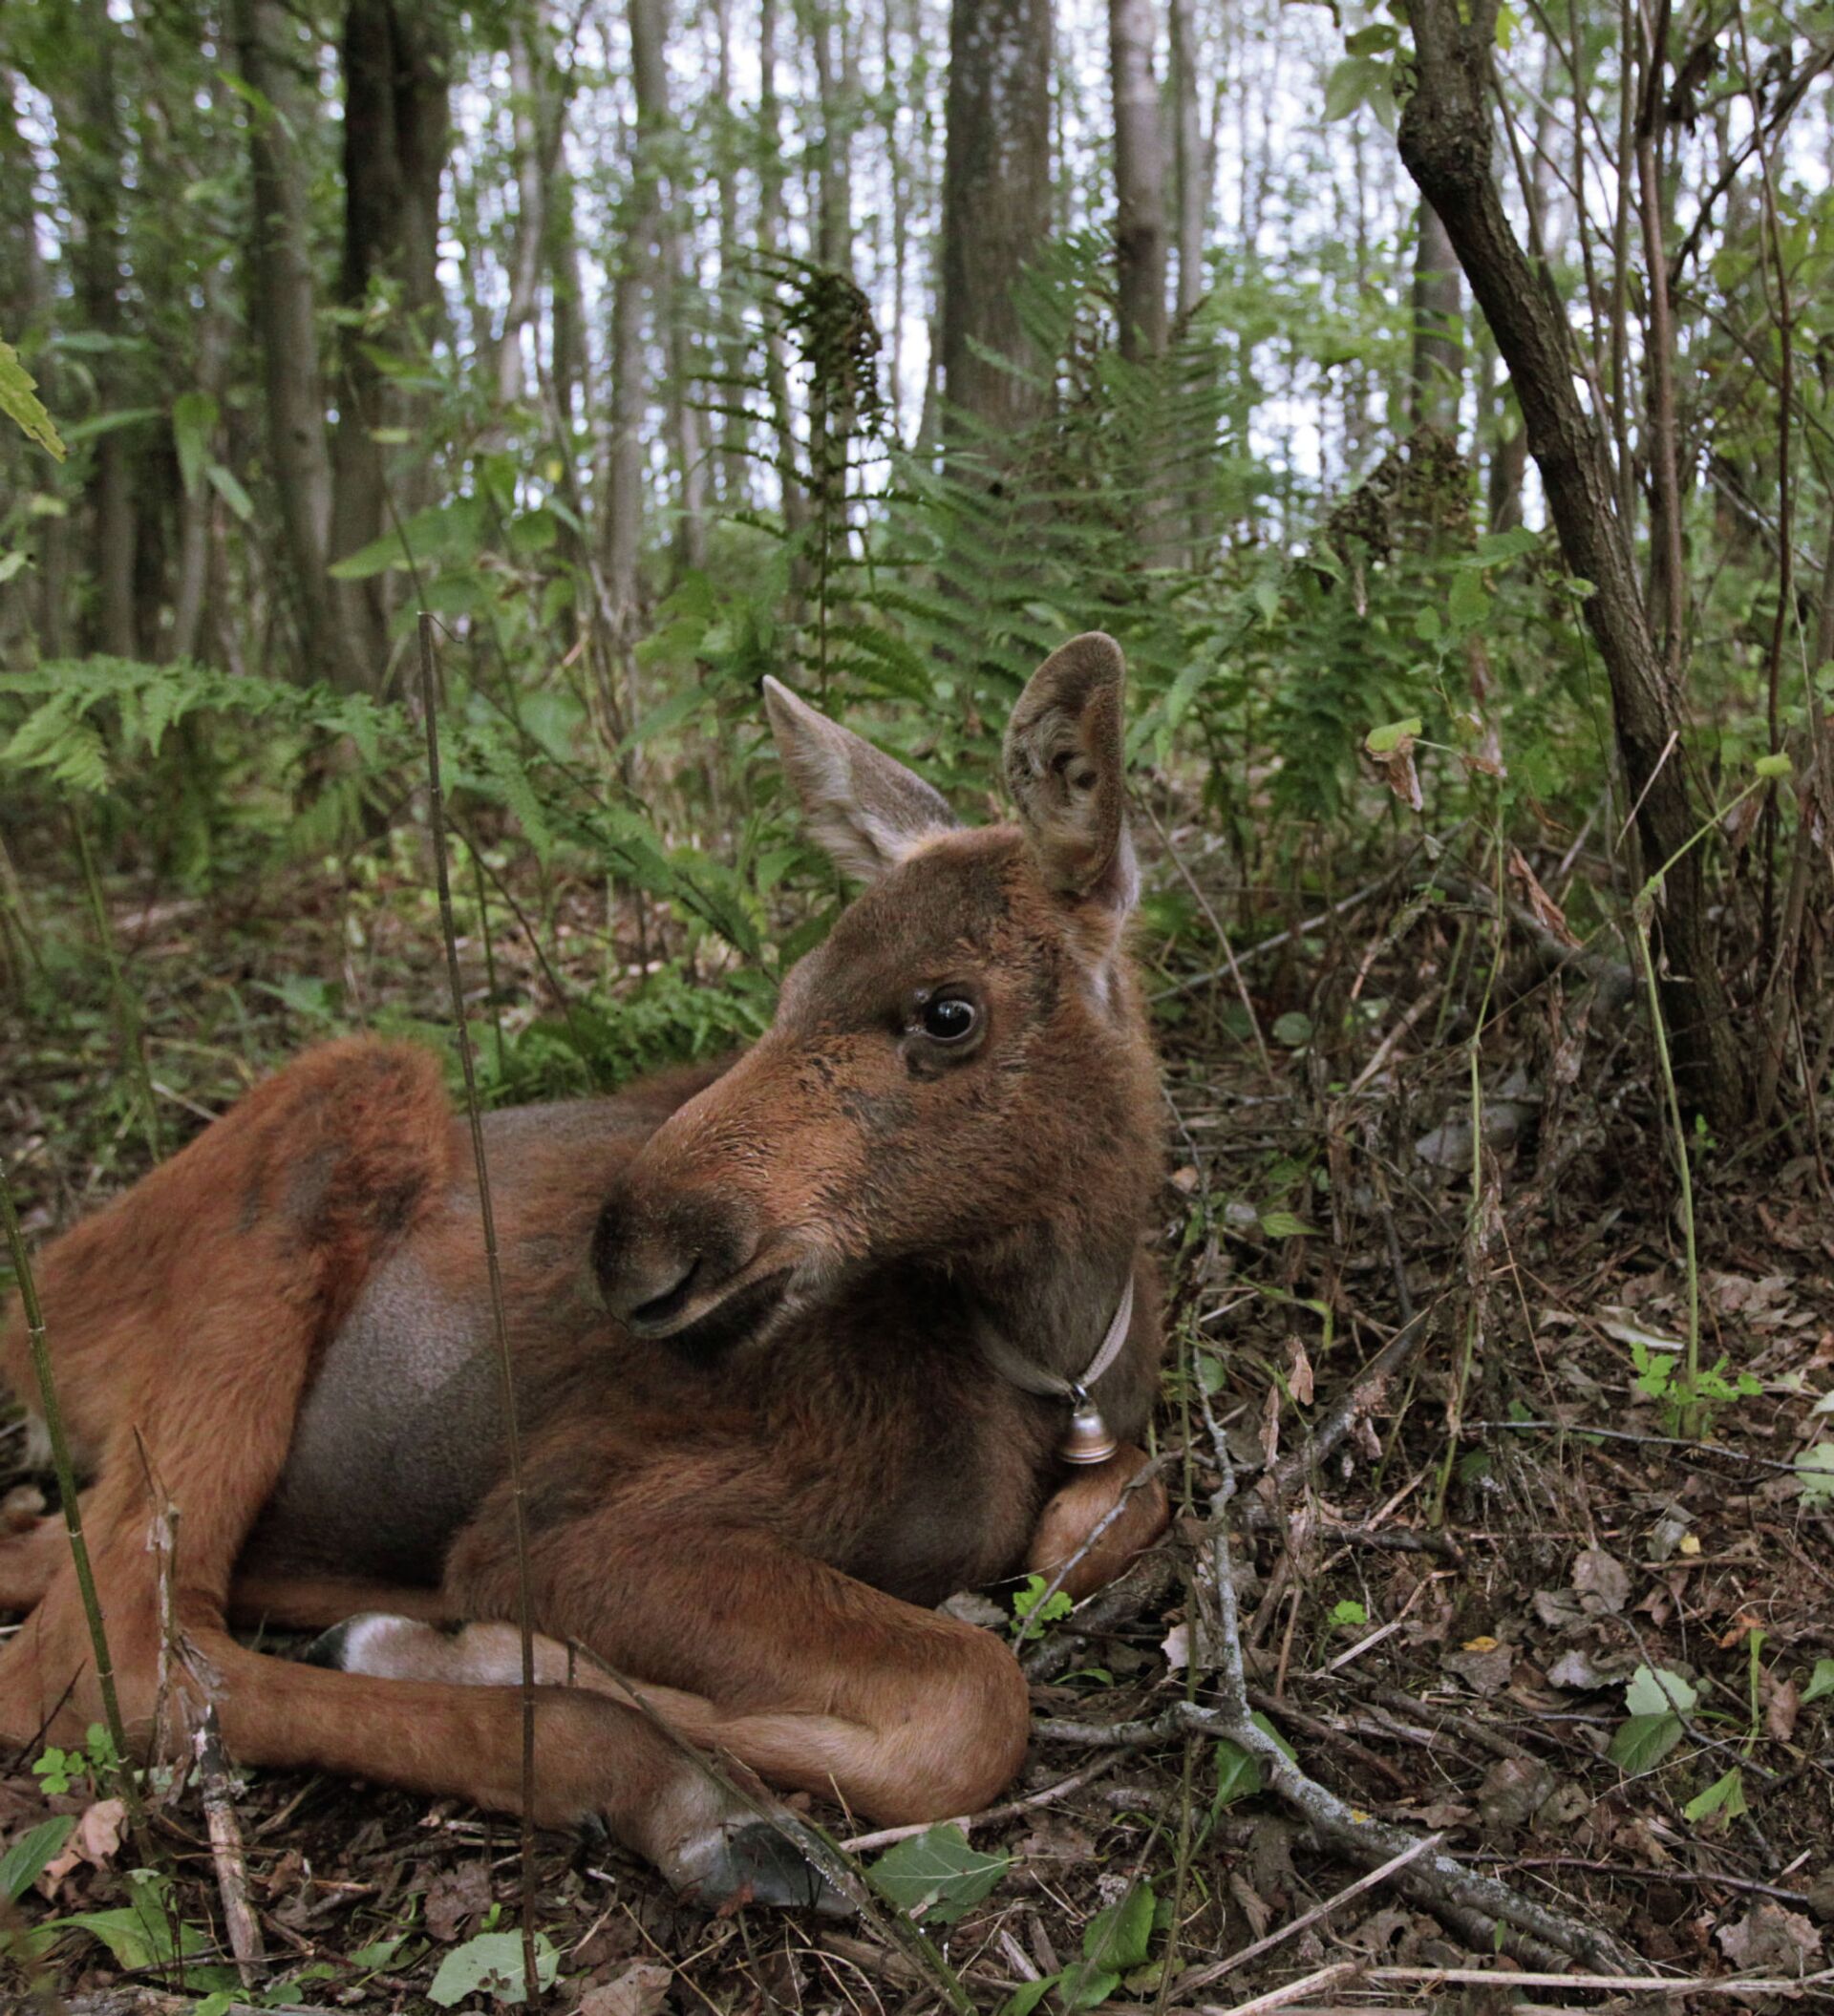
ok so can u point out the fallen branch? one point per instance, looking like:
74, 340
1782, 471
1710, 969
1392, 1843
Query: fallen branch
226, 1851
1485, 1913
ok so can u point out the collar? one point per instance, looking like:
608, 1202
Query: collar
1054, 1385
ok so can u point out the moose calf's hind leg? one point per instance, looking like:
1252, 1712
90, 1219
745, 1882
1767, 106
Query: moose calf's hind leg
713, 1848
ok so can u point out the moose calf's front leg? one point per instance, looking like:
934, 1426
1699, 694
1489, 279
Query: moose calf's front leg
1097, 1524
816, 1681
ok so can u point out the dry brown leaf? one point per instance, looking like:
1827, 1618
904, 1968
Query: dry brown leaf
455, 1897
1782, 1710
95, 1839
1770, 1939
1395, 769
1299, 1373
1547, 912
1601, 1580
641, 1989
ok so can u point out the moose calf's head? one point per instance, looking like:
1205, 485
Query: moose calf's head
960, 1074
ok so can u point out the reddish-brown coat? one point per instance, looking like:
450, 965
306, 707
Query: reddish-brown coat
765, 1445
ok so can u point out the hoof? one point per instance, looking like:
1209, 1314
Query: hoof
753, 1863
329, 1648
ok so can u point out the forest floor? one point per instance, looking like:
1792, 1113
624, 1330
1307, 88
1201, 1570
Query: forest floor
1453, 1620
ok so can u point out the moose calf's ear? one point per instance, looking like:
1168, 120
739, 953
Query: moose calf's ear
866, 811
1065, 769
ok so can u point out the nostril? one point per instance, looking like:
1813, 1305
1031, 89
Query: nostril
660, 1308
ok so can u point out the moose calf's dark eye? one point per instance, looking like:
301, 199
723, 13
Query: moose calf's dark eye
948, 1018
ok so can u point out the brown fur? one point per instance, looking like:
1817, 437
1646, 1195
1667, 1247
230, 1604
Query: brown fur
755, 1449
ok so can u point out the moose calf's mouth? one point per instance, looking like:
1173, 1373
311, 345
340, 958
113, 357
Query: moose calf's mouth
716, 1326
652, 1318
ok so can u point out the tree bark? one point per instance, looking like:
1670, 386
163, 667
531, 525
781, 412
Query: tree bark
1445, 143
28, 287
1140, 181
1436, 374
282, 309
396, 134
90, 161
997, 208
1190, 158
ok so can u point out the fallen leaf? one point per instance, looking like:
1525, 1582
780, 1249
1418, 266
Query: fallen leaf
1784, 1705
641, 1989
1574, 1668
1601, 1580
1483, 1672
1299, 1373
1176, 1645
1770, 1939
455, 1897
95, 1839
1513, 1789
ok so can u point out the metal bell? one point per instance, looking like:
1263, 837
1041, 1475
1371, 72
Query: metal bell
1088, 1438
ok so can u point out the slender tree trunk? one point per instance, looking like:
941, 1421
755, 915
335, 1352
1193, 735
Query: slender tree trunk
282, 309
834, 198
1435, 375
89, 160
536, 147
1190, 158
997, 207
1140, 181
1446, 142
28, 285
397, 128
198, 505
770, 222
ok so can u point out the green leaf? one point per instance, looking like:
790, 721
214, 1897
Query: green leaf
1726, 1795
1496, 547
1385, 741
25, 1862
492, 1965
19, 400
1283, 1225
1643, 1741
936, 1874
1349, 1612
109, 422
194, 419
1816, 1467
1655, 1690
1274, 1736
1820, 1682
1026, 1998
230, 490
1774, 766
1121, 1936
1293, 1029
1238, 1775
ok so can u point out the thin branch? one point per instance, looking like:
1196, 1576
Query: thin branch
436, 827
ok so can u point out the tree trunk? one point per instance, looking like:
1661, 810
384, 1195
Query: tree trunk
395, 133
536, 149
1446, 142
1436, 374
91, 163
1190, 158
834, 203
769, 217
28, 287
997, 207
1140, 181
282, 309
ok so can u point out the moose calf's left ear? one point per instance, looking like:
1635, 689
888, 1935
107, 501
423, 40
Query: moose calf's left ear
866, 809
1065, 769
